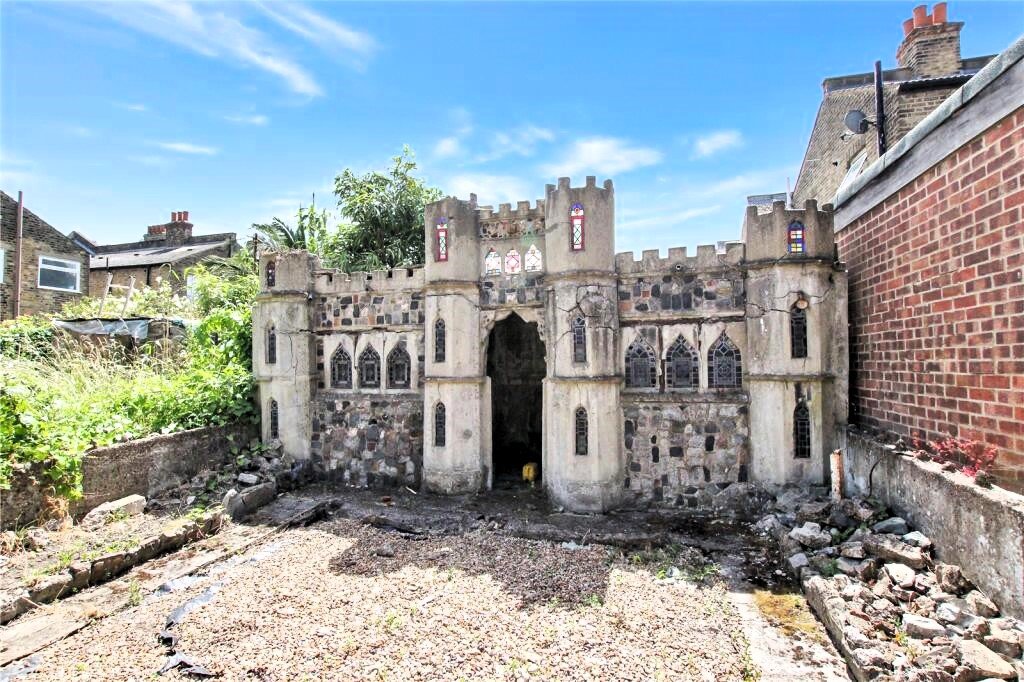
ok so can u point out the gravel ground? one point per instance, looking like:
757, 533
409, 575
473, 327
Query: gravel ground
344, 601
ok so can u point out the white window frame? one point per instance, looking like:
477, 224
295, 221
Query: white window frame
77, 270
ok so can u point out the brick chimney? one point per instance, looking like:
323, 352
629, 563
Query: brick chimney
174, 233
931, 44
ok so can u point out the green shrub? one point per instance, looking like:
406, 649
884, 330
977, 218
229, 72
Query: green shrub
29, 336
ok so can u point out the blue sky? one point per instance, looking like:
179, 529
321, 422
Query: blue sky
113, 115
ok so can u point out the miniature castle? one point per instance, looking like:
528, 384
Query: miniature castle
525, 338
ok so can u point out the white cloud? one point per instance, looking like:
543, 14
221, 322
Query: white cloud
666, 219
249, 119
132, 106
447, 146
187, 148
330, 35
717, 141
151, 160
17, 173
490, 189
520, 141
603, 156
209, 30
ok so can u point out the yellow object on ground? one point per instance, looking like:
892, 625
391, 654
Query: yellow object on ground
530, 471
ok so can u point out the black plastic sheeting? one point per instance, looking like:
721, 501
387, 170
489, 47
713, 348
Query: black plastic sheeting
133, 327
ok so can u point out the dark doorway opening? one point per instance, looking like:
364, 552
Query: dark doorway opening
515, 364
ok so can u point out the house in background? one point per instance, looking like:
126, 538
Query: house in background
54, 269
929, 70
166, 251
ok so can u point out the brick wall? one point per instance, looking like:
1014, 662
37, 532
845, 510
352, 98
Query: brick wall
39, 239
937, 300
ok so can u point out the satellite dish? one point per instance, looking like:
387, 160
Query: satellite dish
856, 122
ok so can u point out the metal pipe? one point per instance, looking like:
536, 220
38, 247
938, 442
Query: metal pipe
18, 239
880, 109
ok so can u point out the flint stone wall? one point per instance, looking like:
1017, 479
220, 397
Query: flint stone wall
980, 529
147, 466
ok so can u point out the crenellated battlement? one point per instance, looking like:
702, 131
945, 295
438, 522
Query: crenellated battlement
767, 234
565, 184
708, 256
522, 210
332, 281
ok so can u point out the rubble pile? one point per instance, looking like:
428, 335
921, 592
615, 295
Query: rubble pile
893, 611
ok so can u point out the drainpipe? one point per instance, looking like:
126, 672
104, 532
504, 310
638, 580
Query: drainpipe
18, 238
880, 110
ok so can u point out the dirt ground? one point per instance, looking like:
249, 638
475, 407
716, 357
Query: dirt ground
362, 596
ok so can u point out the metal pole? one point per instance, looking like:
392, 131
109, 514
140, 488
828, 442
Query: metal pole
879, 109
19, 237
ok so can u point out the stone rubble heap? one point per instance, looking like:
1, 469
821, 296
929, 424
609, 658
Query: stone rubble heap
893, 611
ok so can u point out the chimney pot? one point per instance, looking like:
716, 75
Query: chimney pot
908, 26
174, 216
921, 16
184, 216
939, 13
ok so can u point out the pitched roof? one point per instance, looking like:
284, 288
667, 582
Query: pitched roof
155, 255
9, 217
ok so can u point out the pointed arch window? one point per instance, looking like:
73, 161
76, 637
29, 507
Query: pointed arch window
341, 369
725, 369
441, 240
682, 365
582, 431
492, 263
641, 366
576, 227
399, 367
798, 329
439, 341
271, 345
801, 431
533, 260
271, 273
513, 262
439, 425
369, 368
579, 339
274, 421
796, 237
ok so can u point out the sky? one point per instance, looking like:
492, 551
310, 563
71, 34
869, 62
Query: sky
113, 115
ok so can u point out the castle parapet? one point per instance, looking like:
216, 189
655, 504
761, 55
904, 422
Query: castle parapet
708, 257
332, 281
788, 234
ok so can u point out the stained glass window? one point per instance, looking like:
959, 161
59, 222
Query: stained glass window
682, 365
725, 368
399, 367
271, 346
273, 418
641, 367
798, 331
513, 263
801, 431
579, 339
439, 341
369, 369
576, 229
534, 261
439, 425
271, 273
341, 369
581, 431
796, 237
492, 263
442, 239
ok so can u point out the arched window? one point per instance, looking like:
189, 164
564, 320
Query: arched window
441, 239
492, 263
369, 369
513, 263
576, 228
682, 365
341, 369
399, 367
439, 425
801, 431
798, 330
271, 345
439, 341
581, 431
579, 339
796, 237
273, 418
533, 260
271, 273
641, 367
725, 369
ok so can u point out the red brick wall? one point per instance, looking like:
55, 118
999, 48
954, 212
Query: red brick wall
937, 301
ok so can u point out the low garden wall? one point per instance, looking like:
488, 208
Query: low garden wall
980, 529
145, 467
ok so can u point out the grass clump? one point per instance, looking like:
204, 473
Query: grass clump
789, 612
